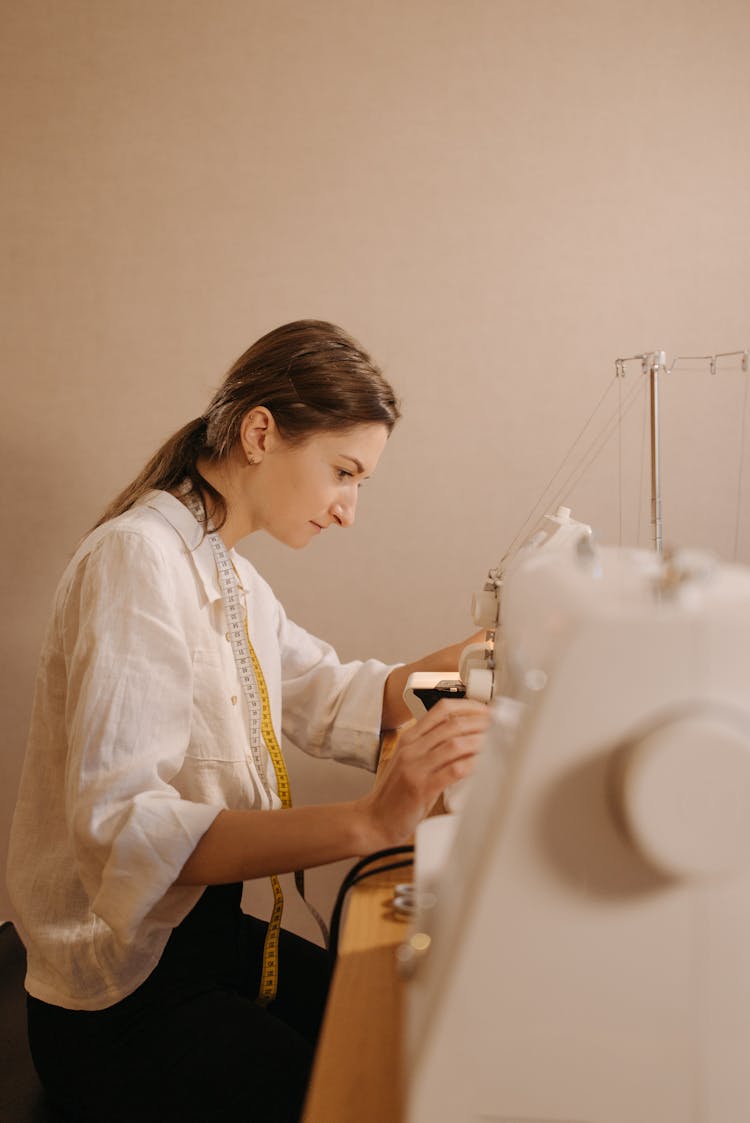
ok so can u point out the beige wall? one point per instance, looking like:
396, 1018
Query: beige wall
499, 198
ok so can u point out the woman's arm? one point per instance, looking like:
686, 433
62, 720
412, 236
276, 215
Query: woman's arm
438, 750
395, 710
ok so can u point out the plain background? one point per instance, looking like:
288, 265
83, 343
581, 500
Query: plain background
497, 197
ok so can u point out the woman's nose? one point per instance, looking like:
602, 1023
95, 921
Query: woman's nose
345, 510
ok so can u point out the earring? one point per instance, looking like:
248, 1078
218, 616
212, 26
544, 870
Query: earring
250, 458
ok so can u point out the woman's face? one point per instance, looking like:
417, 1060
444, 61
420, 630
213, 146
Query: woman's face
303, 489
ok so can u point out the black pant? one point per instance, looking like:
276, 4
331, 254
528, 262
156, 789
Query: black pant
191, 1043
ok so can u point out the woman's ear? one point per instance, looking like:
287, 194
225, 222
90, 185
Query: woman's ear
257, 427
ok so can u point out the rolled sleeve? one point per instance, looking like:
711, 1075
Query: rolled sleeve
330, 709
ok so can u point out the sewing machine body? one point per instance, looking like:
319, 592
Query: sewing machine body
583, 954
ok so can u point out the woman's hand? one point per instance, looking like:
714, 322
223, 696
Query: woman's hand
435, 752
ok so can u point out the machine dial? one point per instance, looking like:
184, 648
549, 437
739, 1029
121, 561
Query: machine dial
685, 795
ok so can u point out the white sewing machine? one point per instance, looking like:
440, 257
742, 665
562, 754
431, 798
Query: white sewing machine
581, 947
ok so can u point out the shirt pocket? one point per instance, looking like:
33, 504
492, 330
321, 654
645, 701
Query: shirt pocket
217, 730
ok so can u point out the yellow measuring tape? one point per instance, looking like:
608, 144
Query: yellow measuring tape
237, 619
269, 979
270, 972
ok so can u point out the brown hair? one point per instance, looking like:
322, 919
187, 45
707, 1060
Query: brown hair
309, 374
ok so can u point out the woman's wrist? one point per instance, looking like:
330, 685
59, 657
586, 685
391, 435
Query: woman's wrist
370, 832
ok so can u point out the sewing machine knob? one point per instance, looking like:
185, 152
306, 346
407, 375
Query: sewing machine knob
685, 792
479, 684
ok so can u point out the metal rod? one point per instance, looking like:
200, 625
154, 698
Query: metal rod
654, 363
651, 364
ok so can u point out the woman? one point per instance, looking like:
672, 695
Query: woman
153, 784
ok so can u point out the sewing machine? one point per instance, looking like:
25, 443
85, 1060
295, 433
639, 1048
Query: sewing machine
580, 952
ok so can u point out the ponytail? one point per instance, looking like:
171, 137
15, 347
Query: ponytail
173, 464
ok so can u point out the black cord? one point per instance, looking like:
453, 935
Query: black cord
357, 873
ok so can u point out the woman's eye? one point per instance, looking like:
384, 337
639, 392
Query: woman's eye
342, 474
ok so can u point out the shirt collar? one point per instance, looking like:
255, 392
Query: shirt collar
191, 532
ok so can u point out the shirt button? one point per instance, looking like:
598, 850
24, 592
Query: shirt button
227, 637
234, 699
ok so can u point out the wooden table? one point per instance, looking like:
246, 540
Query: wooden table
356, 1077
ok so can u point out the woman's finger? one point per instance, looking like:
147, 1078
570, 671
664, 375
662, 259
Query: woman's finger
420, 741
446, 710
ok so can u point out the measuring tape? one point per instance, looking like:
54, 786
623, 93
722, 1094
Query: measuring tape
262, 737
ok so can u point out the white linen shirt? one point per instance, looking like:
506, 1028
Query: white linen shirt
140, 736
